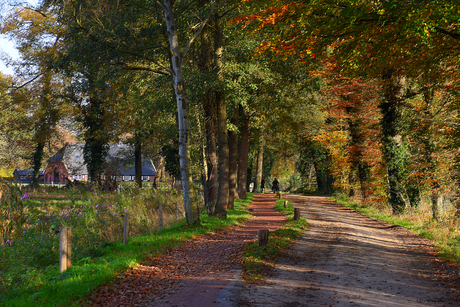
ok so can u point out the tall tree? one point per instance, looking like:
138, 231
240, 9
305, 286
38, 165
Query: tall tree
221, 106
233, 157
120, 34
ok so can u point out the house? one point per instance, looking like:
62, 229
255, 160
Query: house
68, 164
25, 175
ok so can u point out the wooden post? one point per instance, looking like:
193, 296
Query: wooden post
262, 236
285, 204
65, 246
69, 247
125, 228
176, 210
296, 214
160, 218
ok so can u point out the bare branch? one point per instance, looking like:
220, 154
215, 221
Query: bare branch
161, 5
26, 83
449, 33
213, 6
140, 67
228, 11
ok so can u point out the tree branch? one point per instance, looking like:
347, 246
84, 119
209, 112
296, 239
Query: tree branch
26, 83
139, 67
109, 46
213, 6
228, 11
449, 33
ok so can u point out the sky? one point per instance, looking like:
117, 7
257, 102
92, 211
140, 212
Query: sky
8, 46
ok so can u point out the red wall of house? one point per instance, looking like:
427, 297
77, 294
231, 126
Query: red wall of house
56, 167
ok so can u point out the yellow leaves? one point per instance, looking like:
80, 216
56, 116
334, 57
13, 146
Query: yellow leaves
427, 32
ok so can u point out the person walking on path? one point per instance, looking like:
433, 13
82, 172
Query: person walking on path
275, 186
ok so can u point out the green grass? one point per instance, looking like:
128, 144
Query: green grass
52, 288
256, 259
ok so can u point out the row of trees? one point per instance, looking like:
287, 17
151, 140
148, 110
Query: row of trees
178, 79
362, 94
390, 86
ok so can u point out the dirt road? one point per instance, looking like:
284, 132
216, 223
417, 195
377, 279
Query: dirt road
348, 259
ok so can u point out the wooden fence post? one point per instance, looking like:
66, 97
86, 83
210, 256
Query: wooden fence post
125, 228
176, 211
285, 204
296, 214
160, 218
262, 237
65, 246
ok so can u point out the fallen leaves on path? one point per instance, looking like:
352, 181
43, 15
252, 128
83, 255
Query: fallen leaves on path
212, 255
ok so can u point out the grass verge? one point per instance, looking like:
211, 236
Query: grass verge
257, 260
71, 287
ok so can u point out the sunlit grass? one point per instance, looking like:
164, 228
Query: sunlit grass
48, 287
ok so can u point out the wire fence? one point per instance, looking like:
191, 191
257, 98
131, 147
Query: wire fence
96, 221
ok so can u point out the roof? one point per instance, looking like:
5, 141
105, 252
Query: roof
72, 156
27, 172
120, 160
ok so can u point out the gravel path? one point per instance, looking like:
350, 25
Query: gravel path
348, 259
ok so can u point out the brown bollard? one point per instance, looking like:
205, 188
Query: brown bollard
296, 214
262, 235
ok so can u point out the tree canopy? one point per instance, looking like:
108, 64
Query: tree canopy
354, 96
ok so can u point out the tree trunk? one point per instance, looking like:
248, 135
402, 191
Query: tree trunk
212, 174
204, 178
260, 162
355, 125
203, 166
37, 161
222, 197
205, 65
233, 156
190, 202
320, 179
425, 135
160, 171
138, 162
243, 157
393, 161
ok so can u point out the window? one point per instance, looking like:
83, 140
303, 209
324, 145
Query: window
145, 178
126, 178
